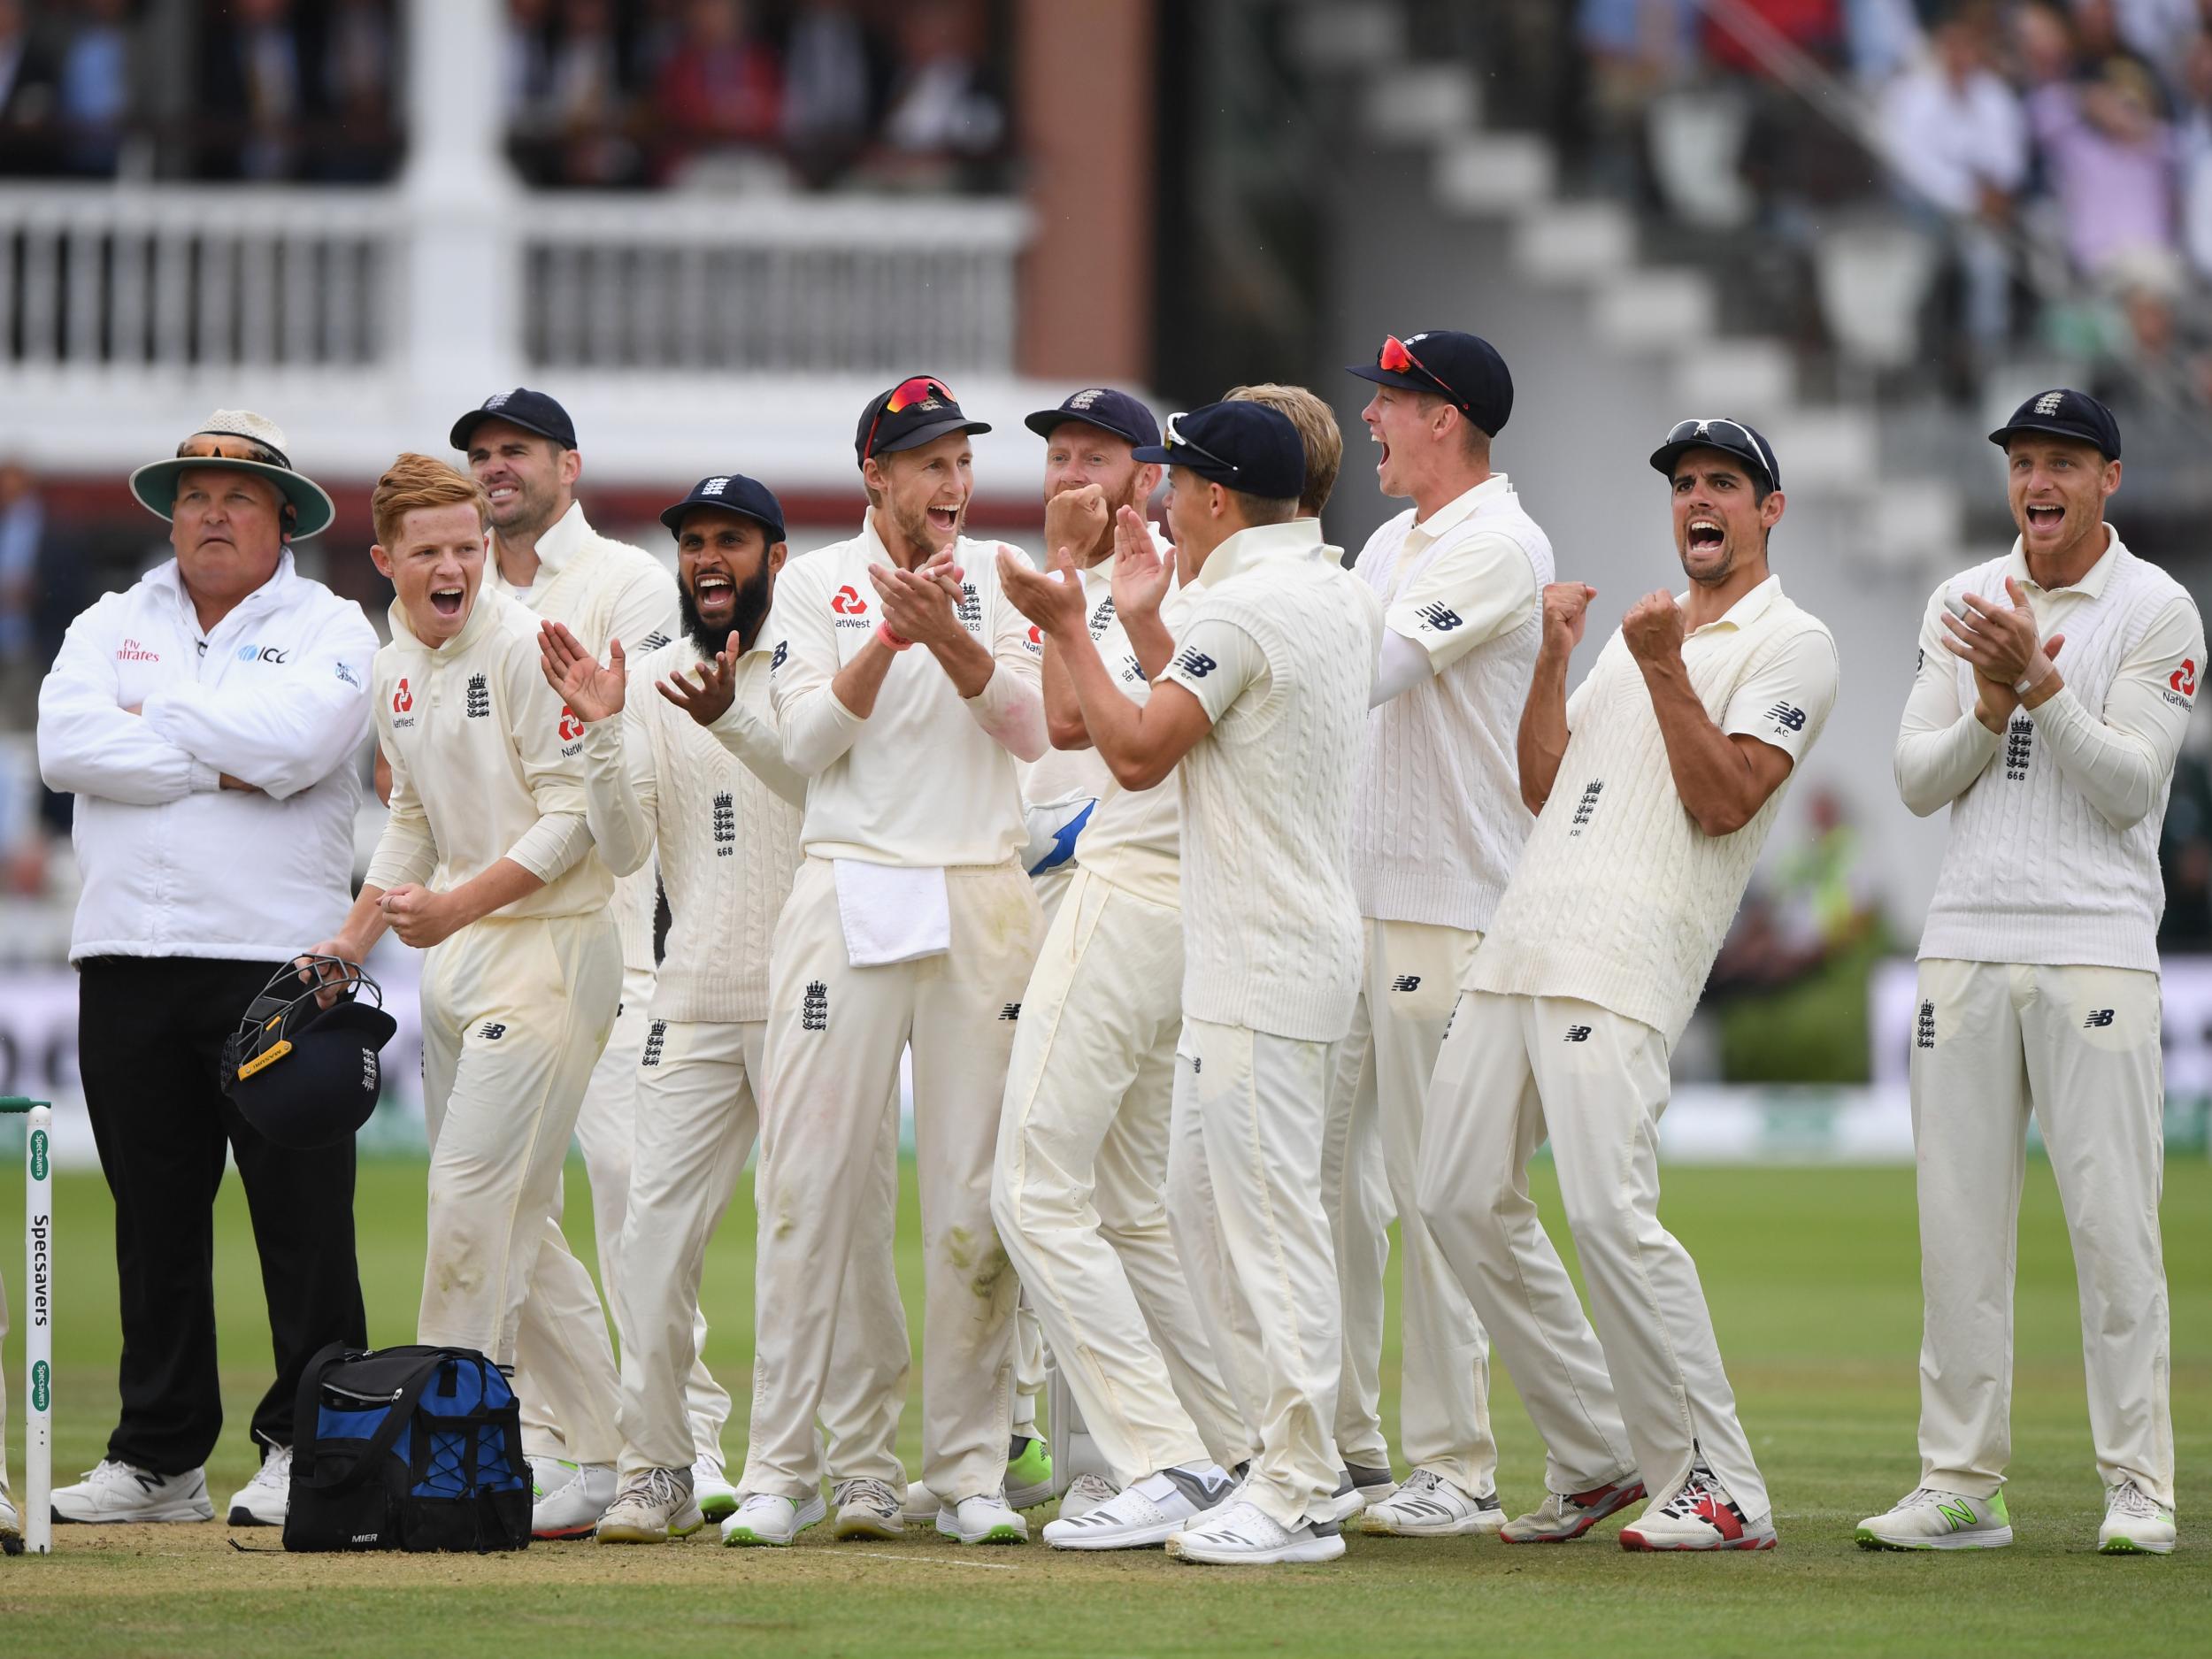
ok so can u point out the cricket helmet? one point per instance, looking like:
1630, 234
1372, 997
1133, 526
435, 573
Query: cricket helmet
304, 1075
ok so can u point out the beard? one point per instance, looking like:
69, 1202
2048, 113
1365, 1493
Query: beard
749, 610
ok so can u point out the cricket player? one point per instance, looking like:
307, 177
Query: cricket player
521, 446
1269, 682
486, 864
1437, 825
1655, 786
2038, 975
706, 786
905, 689
1079, 1190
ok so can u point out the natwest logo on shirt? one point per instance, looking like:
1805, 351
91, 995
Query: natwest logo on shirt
2185, 677
403, 698
571, 728
847, 602
131, 651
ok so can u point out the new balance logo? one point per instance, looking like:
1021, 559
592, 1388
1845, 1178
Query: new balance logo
724, 824
2098, 1019
1578, 1034
1786, 718
1406, 982
652, 641
1924, 1029
1960, 1515
783, 650
654, 1033
2019, 748
1586, 808
479, 698
491, 1031
1197, 664
814, 1007
1439, 616
1012, 1011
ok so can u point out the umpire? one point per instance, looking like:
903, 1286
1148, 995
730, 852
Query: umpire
208, 720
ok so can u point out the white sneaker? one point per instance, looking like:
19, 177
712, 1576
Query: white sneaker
1564, 1516
711, 1488
868, 1508
569, 1498
263, 1500
1925, 1518
1430, 1506
986, 1519
766, 1518
1148, 1513
653, 1506
1373, 1481
1700, 1516
1243, 1534
1343, 1504
2135, 1524
118, 1492
1085, 1494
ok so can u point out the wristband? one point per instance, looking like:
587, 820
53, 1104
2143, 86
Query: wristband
883, 633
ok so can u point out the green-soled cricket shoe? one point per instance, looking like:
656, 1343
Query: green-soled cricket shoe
1925, 1518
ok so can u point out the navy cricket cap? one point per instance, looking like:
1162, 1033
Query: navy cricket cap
1100, 406
1246, 447
1464, 370
2064, 413
919, 408
732, 492
1748, 444
532, 411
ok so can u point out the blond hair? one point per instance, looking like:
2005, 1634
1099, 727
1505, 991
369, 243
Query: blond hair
421, 480
1316, 430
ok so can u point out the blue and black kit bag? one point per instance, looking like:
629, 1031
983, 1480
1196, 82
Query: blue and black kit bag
415, 1449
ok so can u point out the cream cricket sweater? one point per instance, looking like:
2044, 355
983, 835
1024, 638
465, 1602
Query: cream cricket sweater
1437, 818
2044, 864
1619, 898
728, 842
605, 589
1270, 929
484, 763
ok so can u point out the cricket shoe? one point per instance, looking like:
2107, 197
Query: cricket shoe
116, 1492
767, 1519
11, 1526
711, 1488
1028, 1472
868, 1508
986, 1519
1429, 1506
1925, 1518
1374, 1483
1085, 1494
1242, 1534
263, 1500
2135, 1524
568, 1499
1343, 1504
1700, 1516
653, 1506
1566, 1515
1150, 1512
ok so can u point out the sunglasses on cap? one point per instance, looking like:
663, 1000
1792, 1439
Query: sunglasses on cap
1734, 431
907, 394
1398, 359
1175, 437
224, 446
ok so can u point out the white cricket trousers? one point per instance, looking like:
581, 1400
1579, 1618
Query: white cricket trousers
835, 1032
1080, 1194
564, 1303
1408, 984
697, 1118
2079, 1047
1244, 1201
514, 1015
1355, 1194
1512, 1070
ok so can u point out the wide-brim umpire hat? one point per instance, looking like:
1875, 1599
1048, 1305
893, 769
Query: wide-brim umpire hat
244, 442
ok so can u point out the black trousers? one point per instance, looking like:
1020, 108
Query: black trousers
150, 1041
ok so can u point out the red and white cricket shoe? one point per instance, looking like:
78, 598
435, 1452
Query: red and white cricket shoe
1701, 1516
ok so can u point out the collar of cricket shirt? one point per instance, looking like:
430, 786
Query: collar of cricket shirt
2090, 585
1299, 538
1745, 611
1459, 506
564, 538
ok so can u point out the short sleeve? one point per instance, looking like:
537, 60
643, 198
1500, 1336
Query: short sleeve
1218, 663
1472, 589
1786, 701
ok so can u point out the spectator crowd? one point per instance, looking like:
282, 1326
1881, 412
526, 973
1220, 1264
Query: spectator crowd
2054, 155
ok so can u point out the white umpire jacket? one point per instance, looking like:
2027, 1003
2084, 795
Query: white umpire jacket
276, 696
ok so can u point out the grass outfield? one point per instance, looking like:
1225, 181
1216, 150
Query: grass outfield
1812, 1275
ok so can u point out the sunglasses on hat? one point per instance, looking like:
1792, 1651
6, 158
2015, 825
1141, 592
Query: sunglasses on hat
1690, 431
1175, 436
1397, 358
222, 446
907, 394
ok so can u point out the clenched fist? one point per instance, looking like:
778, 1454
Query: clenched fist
1566, 611
1652, 630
